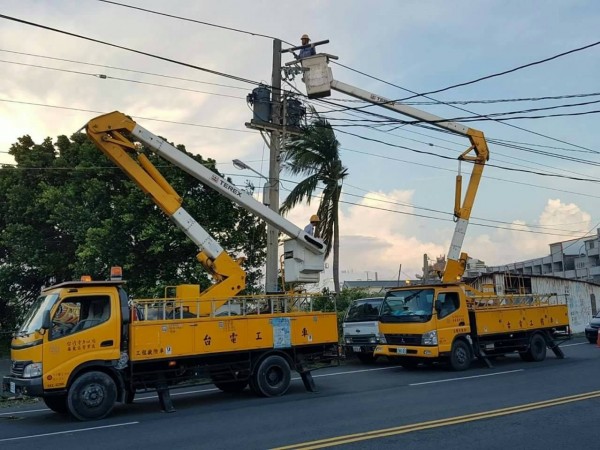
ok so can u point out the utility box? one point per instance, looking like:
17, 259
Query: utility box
294, 112
260, 99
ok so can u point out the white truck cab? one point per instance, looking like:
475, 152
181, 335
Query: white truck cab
361, 328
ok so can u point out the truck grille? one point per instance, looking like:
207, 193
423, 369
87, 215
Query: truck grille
403, 339
361, 339
18, 367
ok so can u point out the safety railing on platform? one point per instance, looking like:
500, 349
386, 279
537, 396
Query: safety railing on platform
510, 301
190, 308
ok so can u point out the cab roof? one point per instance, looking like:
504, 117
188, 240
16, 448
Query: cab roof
80, 284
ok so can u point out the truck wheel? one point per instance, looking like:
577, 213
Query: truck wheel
537, 349
460, 356
233, 386
366, 358
57, 403
272, 377
92, 396
409, 363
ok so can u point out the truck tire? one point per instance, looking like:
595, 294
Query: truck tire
460, 355
409, 363
366, 358
537, 349
272, 377
57, 403
92, 396
233, 386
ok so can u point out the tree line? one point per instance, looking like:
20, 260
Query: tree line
67, 211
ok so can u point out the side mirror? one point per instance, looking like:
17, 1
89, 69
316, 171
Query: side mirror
46, 321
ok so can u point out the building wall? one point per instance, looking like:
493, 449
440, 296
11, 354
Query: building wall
583, 298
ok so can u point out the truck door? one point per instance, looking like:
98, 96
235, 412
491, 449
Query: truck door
451, 318
84, 328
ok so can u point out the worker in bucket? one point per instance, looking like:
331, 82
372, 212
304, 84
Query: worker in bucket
306, 51
310, 228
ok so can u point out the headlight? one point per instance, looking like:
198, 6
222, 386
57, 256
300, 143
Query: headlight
32, 370
348, 340
381, 338
429, 338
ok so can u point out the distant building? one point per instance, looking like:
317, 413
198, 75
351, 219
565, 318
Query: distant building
374, 286
577, 259
582, 297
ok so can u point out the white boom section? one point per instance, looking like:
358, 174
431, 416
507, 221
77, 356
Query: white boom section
196, 233
319, 80
304, 254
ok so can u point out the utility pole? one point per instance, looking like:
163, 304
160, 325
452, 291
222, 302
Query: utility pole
274, 156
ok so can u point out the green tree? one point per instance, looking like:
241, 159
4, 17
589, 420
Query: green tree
66, 210
315, 155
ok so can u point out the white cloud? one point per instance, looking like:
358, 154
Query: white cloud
506, 246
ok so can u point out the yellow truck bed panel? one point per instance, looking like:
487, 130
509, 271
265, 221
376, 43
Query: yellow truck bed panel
514, 318
156, 339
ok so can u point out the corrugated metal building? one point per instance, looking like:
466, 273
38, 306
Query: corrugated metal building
583, 298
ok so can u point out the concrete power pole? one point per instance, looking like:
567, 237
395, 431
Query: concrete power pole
271, 282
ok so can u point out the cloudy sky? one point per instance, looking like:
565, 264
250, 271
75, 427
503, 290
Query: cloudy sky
397, 202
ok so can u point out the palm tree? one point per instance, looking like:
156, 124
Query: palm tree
315, 155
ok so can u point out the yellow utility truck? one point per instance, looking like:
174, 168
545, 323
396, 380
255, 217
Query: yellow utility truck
451, 322
86, 345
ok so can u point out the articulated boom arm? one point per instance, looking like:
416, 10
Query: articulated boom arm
107, 133
319, 82
304, 254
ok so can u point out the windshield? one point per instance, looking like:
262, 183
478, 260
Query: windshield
364, 309
411, 305
33, 319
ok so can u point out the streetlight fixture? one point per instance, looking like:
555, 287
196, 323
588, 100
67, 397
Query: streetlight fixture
241, 165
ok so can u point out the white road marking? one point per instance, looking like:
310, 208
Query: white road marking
466, 378
177, 393
68, 431
351, 372
12, 413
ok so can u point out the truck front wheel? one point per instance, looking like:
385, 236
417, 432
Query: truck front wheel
272, 377
460, 356
57, 403
92, 396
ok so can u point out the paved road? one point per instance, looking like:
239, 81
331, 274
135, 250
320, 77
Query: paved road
555, 404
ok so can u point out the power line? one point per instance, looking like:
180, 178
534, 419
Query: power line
489, 165
151, 55
429, 166
524, 66
123, 69
502, 100
138, 117
347, 202
408, 205
456, 107
237, 30
102, 76
454, 143
108, 77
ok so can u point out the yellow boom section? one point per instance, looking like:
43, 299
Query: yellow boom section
108, 133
